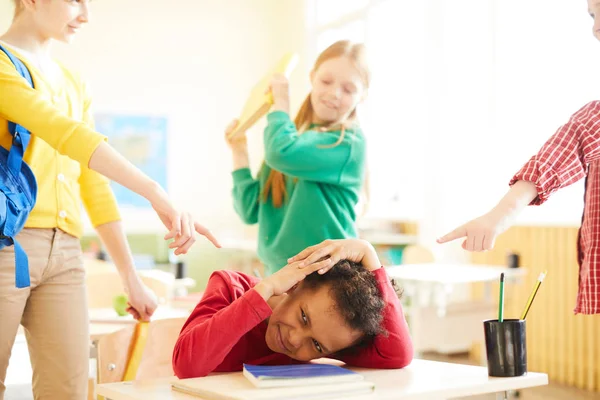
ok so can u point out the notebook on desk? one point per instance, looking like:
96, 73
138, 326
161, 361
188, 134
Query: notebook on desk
236, 387
263, 376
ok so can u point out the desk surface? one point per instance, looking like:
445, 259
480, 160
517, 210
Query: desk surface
445, 273
419, 381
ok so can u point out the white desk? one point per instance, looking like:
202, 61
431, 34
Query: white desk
422, 380
432, 312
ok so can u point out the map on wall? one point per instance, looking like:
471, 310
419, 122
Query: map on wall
143, 141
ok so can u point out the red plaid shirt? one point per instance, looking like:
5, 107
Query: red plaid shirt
571, 154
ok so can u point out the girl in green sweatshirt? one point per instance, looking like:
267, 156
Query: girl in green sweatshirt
314, 169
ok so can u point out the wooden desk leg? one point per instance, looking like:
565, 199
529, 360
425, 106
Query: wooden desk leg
91, 389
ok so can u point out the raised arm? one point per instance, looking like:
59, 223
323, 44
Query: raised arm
215, 326
564, 158
221, 319
313, 156
246, 189
391, 350
246, 195
561, 161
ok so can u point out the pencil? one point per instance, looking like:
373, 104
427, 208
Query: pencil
501, 305
533, 293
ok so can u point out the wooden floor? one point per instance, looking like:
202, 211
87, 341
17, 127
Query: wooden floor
551, 392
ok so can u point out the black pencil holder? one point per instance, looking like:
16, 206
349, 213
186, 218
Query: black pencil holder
506, 347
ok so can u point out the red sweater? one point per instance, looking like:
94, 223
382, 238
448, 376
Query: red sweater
227, 328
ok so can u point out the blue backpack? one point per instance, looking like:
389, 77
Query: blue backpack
18, 188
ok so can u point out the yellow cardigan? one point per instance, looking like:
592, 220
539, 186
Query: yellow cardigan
62, 142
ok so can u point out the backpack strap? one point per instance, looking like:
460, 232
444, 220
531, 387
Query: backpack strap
21, 137
22, 279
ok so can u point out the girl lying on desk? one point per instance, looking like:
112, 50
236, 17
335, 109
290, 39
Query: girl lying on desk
347, 311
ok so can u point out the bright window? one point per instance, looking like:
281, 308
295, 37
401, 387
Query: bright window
463, 93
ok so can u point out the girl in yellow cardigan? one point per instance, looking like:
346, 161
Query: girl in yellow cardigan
71, 163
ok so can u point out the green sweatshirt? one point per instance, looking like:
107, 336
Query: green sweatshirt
321, 200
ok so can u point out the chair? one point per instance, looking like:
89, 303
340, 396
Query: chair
140, 351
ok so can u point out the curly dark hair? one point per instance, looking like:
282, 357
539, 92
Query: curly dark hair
356, 294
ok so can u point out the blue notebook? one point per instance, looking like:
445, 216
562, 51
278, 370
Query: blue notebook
298, 375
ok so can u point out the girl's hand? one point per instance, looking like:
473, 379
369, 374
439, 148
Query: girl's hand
237, 142
142, 301
284, 279
280, 89
327, 253
181, 225
480, 233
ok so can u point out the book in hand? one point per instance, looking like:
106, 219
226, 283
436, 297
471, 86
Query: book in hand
235, 386
260, 99
297, 375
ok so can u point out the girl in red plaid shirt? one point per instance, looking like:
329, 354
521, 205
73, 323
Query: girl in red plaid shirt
571, 154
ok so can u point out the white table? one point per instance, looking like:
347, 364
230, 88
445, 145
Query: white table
422, 380
437, 322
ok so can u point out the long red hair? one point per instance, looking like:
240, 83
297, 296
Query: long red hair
275, 186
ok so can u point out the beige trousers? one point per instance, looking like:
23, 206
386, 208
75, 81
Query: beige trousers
53, 312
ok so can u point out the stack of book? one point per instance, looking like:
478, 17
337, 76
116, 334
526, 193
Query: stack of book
280, 382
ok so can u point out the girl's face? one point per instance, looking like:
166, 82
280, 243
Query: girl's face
59, 19
594, 10
305, 325
337, 88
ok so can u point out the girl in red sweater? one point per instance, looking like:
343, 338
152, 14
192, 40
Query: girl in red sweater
349, 312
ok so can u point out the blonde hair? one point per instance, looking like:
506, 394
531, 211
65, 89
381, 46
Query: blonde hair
275, 186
